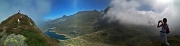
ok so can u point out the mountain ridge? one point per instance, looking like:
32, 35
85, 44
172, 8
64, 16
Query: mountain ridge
21, 24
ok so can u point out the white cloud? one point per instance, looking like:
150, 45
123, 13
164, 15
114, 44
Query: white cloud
128, 12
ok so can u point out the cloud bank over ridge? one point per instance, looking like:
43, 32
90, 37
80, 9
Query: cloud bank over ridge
144, 12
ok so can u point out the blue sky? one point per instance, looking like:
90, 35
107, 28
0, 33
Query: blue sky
41, 10
69, 7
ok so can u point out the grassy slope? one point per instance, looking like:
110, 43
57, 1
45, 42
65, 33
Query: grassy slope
28, 28
113, 36
128, 37
173, 41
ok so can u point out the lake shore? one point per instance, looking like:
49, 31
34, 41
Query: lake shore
65, 36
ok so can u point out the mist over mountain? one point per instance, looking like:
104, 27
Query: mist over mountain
146, 12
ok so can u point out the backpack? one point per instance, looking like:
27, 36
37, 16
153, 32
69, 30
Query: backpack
167, 30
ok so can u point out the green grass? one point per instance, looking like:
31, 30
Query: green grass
33, 39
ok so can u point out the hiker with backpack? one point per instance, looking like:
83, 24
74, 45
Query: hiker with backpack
164, 31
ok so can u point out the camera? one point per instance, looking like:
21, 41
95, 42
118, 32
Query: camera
160, 21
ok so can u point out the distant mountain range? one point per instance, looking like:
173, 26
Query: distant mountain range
90, 28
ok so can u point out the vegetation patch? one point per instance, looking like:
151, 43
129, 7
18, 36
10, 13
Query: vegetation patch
16, 40
33, 39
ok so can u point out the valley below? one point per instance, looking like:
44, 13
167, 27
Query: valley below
89, 28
